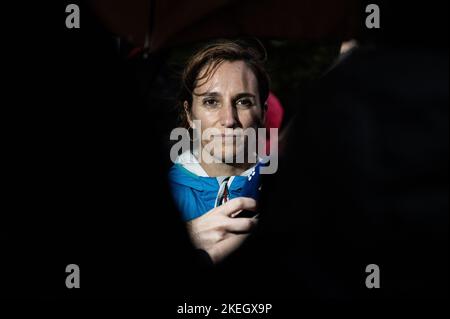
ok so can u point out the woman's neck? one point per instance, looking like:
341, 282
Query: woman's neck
224, 169
215, 169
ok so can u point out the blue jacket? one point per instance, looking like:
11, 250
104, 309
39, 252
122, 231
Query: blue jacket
196, 195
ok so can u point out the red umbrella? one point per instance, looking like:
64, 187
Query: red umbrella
161, 23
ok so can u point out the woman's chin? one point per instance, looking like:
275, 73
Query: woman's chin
232, 157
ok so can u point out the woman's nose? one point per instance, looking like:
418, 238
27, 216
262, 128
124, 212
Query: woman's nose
228, 116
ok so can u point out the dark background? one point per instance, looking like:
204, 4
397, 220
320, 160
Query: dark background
364, 178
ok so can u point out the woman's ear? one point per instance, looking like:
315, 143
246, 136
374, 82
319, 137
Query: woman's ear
188, 114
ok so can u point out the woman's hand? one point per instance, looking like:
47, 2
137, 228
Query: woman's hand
218, 232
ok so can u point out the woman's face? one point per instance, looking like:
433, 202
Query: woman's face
229, 100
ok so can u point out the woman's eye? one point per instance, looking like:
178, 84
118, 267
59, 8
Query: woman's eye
210, 102
245, 103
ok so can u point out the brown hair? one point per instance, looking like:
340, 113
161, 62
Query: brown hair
212, 56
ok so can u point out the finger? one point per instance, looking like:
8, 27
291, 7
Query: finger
222, 249
244, 214
240, 225
233, 215
236, 205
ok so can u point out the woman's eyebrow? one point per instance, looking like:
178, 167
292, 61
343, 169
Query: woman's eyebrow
210, 94
244, 94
